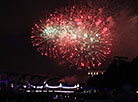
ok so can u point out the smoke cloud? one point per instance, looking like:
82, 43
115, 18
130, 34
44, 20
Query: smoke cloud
125, 37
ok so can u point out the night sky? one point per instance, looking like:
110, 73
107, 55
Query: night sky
17, 53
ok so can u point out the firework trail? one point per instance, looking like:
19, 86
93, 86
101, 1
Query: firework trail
79, 35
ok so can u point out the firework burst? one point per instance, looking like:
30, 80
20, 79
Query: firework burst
77, 35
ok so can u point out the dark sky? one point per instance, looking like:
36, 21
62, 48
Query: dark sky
16, 51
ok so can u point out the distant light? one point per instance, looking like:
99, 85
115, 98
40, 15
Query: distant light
60, 85
94, 91
24, 86
78, 85
39, 87
33, 86
50, 90
44, 90
45, 81
28, 91
11, 85
136, 91
38, 90
56, 97
60, 91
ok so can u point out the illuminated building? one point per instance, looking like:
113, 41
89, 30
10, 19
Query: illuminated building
91, 73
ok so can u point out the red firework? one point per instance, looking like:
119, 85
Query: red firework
79, 35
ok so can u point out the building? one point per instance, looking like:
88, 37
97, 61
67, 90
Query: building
93, 72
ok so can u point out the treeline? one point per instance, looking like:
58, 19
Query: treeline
120, 72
